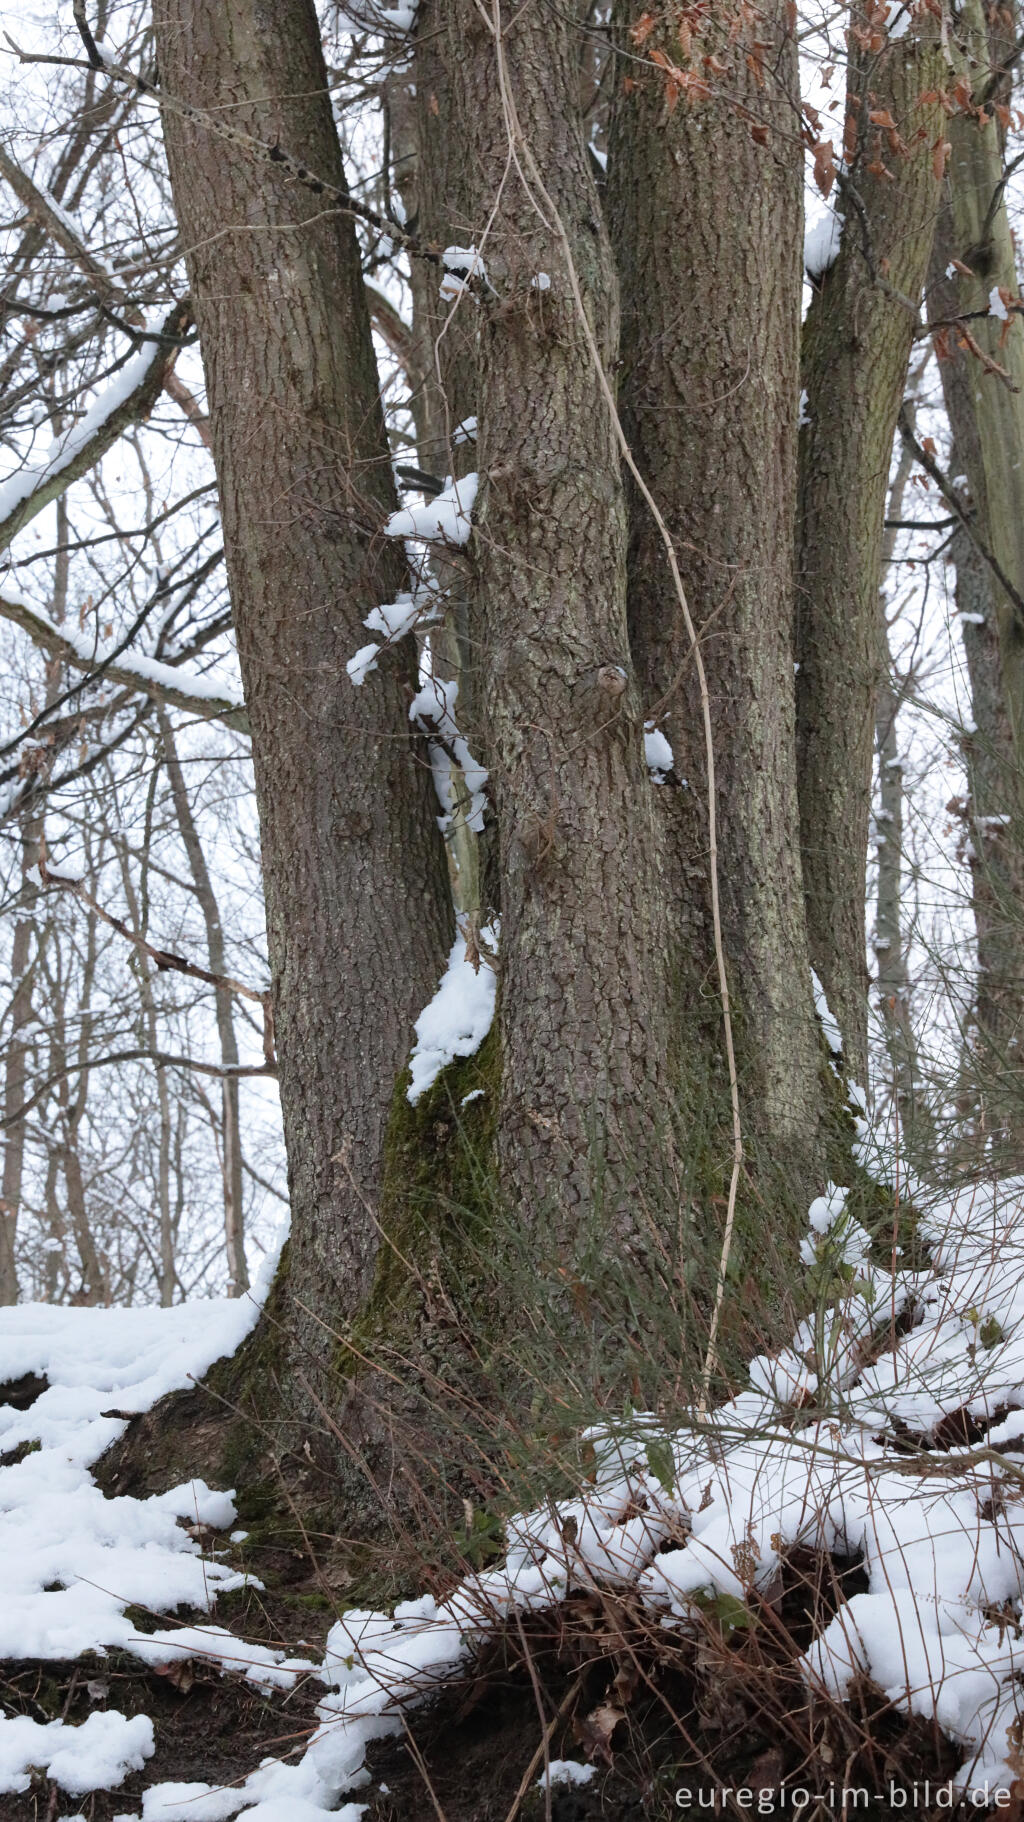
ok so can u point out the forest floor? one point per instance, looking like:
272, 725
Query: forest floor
814, 1589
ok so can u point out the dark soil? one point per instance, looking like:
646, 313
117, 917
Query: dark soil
592, 1681
207, 1726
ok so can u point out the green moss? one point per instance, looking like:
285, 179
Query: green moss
239, 1384
893, 1224
438, 1192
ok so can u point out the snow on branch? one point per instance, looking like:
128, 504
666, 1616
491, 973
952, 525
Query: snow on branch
135, 670
432, 710
447, 519
127, 400
60, 226
395, 619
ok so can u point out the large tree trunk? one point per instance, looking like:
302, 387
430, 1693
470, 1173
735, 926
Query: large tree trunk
977, 233
443, 379
357, 906
585, 1142
706, 225
856, 347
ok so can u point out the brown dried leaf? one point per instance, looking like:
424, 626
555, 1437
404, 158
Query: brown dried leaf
824, 165
596, 1729
940, 153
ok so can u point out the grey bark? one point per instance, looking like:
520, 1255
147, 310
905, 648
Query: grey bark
357, 909
706, 227
584, 1132
856, 348
986, 417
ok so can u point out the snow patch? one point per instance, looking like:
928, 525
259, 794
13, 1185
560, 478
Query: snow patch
567, 1771
445, 519
829, 1026
96, 1755
821, 243
433, 710
657, 753
31, 476
458, 1018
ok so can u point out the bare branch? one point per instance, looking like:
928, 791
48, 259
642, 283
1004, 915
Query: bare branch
163, 1060
165, 959
150, 677
40, 488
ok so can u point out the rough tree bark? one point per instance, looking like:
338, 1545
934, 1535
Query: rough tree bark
428, 167
584, 1128
357, 905
856, 348
706, 216
992, 1065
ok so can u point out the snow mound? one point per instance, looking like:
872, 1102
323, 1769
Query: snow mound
74, 1560
821, 243
98, 1755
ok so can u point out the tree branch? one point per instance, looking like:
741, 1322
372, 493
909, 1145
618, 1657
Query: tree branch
163, 1060
148, 676
165, 959
931, 467
23, 496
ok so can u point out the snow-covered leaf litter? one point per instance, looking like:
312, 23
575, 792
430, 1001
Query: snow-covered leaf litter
939, 1531
74, 1560
679, 1517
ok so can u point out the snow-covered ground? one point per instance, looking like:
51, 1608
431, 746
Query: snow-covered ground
835, 1444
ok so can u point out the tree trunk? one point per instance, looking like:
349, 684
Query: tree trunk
16, 1072
94, 1283
585, 1141
856, 348
145, 974
16, 1059
891, 981
993, 1063
443, 380
706, 225
357, 906
231, 1140
977, 233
